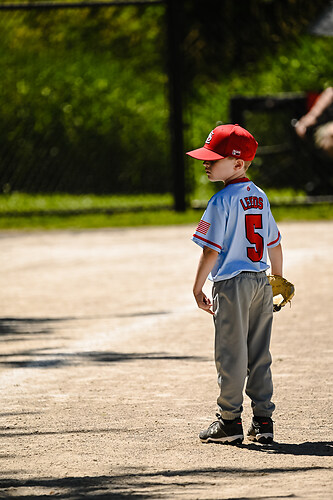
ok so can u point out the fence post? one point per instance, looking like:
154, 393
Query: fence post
175, 72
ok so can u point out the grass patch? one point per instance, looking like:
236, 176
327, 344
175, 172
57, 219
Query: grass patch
20, 203
90, 221
21, 211
149, 218
319, 211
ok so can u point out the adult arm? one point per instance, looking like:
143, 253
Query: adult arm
323, 101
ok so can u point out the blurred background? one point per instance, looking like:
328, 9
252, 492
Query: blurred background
99, 101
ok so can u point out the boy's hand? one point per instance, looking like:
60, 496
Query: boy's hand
206, 264
203, 302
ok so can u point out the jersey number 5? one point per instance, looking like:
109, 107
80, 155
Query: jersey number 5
253, 222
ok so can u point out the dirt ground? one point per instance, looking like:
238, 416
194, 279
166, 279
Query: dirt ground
107, 372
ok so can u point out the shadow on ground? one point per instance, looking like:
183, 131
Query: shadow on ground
18, 326
318, 449
33, 358
134, 483
18, 329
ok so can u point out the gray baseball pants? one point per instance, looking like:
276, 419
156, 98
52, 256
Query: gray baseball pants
243, 316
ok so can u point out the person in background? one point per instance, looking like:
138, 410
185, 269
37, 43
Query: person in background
317, 124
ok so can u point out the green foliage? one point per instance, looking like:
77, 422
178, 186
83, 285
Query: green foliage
228, 35
83, 92
82, 104
298, 66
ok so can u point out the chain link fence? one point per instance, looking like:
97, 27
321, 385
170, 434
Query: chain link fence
83, 109
85, 106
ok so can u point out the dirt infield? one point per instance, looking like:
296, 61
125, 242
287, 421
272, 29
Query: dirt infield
107, 371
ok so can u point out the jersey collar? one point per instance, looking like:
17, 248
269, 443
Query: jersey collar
241, 179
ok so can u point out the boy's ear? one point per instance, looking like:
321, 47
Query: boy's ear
239, 163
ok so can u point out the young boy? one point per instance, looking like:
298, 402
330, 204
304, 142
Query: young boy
235, 232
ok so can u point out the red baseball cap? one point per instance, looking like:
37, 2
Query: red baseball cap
224, 141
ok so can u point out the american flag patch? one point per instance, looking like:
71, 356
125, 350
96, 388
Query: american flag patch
203, 227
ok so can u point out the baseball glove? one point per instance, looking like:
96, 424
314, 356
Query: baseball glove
283, 291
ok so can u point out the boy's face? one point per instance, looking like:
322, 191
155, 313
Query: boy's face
224, 170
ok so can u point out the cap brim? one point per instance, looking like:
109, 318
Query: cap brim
204, 154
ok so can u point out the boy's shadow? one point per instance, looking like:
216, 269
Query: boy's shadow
318, 449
